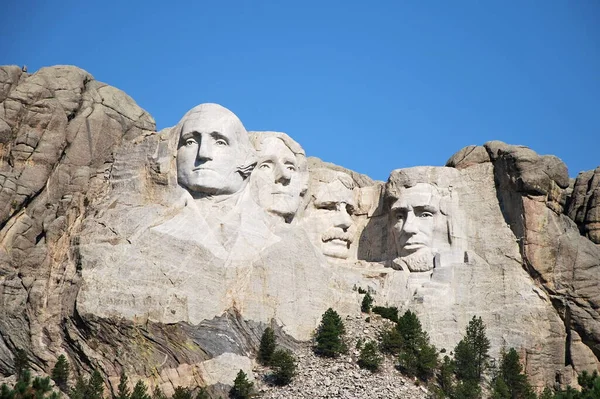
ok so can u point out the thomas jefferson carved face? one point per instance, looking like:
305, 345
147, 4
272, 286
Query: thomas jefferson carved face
213, 151
328, 219
280, 177
415, 217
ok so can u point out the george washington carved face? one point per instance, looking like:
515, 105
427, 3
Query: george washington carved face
214, 154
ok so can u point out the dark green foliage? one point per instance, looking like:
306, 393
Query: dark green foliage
547, 394
79, 391
140, 391
367, 303
283, 365
60, 373
471, 353
267, 346
370, 358
590, 385
21, 362
511, 383
417, 357
391, 341
6, 392
361, 290
242, 388
182, 393
95, 386
468, 389
202, 394
329, 337
445, 376
122, 390
158, 394
390, 313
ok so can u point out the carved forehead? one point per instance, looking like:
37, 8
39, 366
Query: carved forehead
419, 195
264, 142
332, 186
214, 118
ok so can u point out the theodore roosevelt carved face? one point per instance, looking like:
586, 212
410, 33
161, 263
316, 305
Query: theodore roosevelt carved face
214, 155
280, 178
328, 216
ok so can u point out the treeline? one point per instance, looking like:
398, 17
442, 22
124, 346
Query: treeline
462, 374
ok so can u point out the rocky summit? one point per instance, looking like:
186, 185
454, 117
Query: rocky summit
166, 254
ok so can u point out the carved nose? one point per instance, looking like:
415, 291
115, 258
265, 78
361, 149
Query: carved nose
342, 218
205, 152
283, 175
410, 224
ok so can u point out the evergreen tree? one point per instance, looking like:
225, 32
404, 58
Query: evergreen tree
95, 386
547, 394
6, 392
471, 353
123, 390
140, 391
590, 385
445, 376
158, 394
202, 394
367, 303
80, 390
267, 346
511, 383
370, 358
182, 393
242, 388
417, 357
468, 389
60, 373
391, 341
21, 362
330, 333
283, 364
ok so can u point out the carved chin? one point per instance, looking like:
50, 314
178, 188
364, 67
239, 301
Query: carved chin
420, 261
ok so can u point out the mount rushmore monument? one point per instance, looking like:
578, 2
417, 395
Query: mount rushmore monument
167, 253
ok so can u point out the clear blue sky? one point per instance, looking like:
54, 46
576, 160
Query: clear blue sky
372, 86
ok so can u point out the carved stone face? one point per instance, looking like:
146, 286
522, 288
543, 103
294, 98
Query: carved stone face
276, 181
415, 216
210, 153
328, 219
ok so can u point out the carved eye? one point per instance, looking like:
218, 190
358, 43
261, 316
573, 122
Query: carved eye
291, 168
399, 215
330, 206
426, 214
221, 143
350, 209
265, 166
190, 142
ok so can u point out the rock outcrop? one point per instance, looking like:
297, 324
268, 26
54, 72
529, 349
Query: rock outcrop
166, 254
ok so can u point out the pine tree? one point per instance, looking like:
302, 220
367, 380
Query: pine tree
202, 394
330, 334
267, 346
471, 353
123, 390
80, 390
242, 388
140, 391
370, 358
21, 362
284, 366
417, 357
445, 376
95, 386
158, 394
182, 393
367, 303
60, 373
511, 383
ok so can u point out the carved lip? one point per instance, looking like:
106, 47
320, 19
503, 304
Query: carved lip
201, 168
281, 193
414, 245
338, 241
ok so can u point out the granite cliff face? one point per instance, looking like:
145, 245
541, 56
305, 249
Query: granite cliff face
167, 253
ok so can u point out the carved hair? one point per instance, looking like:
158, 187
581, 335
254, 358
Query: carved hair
258, 139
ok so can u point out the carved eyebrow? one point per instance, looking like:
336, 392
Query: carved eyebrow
219, 136
399, 208
187, 135
426, 208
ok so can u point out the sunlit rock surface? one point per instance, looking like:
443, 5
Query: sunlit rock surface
166, 254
